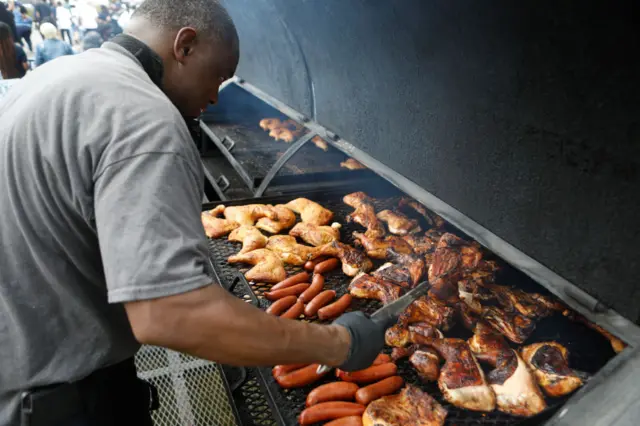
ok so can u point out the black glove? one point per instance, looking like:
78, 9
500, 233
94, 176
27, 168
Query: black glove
367, 339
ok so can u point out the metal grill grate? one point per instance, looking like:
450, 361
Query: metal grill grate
589, 351
192, 391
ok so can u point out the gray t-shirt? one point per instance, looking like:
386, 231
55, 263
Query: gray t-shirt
100, 192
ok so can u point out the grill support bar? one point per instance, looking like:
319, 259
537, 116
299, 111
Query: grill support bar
562, 288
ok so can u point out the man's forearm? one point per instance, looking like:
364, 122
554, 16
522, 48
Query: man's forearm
212, 324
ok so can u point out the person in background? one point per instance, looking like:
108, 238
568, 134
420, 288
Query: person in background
92, 40
88, 18
24, 24
43, 12
63, 17
52, 47
13, 60
7, 18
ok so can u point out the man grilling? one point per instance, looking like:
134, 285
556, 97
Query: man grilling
100, 223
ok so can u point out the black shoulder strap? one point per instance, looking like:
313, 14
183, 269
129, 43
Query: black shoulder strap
151, 62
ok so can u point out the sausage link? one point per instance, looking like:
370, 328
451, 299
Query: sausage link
335, 309
334, 391
318, 302
329, 411
280, 370
295, 311
281, 305
346, 421
317, 284
302, 277
371, 374
381, 359
326, 266
298, 378
377, 390
284, 292
311, 264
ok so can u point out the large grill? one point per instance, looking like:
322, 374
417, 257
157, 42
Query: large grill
589, 350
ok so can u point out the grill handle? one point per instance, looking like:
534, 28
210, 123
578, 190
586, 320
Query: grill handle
223, 183
228, 143
240, 279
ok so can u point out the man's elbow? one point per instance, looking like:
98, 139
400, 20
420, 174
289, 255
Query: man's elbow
148, 326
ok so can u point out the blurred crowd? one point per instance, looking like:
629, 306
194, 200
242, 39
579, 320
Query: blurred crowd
33, 32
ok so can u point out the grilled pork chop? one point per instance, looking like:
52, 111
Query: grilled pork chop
364, 214
310, 211
365, 286
550, 366
398, 223
461, 380
516, 390
411, 407
268, 267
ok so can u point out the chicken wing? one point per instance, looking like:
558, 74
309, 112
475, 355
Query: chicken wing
352, 164
377, 247
461, 380
423, 244
364, 214
249, 214
430, 310
316, 235
250, 237
511, 325
616, 344
288, 249
426, 362
310, 211
516, 390
411, 407
398, 223
283, 219
215, 227
353, 260
365, 286
431, 218
550, 366
268, 267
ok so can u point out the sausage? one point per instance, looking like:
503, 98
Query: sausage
381, 359
317, 284
377, 390
329, 411
295, 311
326, 266
280, 370
335, 309
311, 264
346, 421
279, 306
318, 302
298, 378
371, 374
335, 391
284, 292
302, 277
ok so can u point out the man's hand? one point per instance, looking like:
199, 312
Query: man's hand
367, 340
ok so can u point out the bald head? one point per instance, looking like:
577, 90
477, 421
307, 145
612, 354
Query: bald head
198, 44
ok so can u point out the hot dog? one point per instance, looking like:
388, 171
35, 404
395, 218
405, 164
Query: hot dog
284, 292
279, 306
329, 411
318, 302
381, 359
317, 284
311, 264
298, 378
335, 391
335, 309
371, 374
326, 266
295, 311
280, 370
302, 277
346, 421
377, 390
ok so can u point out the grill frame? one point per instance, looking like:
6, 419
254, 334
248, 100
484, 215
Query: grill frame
288, 403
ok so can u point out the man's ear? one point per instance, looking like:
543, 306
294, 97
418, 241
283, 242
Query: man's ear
184, 43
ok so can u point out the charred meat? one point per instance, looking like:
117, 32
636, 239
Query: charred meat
376, 248
430, 310
426, 362
398, 223
433, 219
549, 362
411, 406
365, 286
511, 325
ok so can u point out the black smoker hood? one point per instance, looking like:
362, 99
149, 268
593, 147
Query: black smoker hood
518, 122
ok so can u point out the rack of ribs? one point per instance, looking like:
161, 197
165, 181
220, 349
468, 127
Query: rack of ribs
550, 366
516, 390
